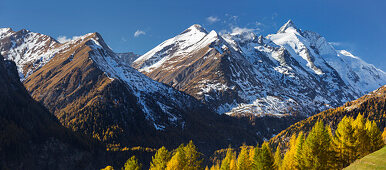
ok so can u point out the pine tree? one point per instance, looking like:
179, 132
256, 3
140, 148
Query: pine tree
289, 157
226, 162
344, 143
315, 149
193, 157
265, 157
255, 157
132, 164
243, 162
216, 166
160, 159
233, 165
178, 159
299, 164
362, 140
375, 136
277, 158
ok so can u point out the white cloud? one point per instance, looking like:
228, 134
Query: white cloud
335, 43
238, 30
212, 19
63, 39
139, 32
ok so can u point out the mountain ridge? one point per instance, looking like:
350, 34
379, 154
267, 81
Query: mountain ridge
282, 73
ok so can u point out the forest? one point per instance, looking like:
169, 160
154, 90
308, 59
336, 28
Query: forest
319, 148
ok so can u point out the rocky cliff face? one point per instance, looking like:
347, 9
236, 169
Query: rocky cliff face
290, 72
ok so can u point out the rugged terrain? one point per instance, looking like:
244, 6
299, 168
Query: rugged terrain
32, 138
291, 72
372, 106
91, 90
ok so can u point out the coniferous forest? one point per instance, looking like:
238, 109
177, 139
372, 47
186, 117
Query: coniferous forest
320, 148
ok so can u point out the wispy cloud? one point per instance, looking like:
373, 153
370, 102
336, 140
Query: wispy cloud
239, 30
63, 39
336, 43
139, 33
212, 19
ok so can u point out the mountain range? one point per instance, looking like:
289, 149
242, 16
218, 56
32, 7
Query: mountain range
215, 89
289, 72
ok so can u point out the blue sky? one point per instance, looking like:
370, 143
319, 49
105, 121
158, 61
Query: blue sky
358, 26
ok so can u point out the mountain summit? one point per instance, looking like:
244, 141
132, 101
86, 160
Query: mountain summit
291, 72
289, 25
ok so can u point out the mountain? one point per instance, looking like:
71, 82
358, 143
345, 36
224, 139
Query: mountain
93, 90
31, 138
128, 57
27, 49
291, 72
372, 106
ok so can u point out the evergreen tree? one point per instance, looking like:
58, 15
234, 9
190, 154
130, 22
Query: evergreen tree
233, 165
160, 159
243, 161
344, 143
132, 164
362, 140
277, 158
226, 162
192, 156
216, 166
265, 157
299, 164
289, 157
254, 157
178, 159
375, 136
315, 149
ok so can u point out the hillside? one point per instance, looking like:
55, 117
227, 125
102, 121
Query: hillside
375, 160
32, 138
372, 106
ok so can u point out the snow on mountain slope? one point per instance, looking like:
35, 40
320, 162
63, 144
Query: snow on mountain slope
145, 89
27, 49
179, 45
290, 72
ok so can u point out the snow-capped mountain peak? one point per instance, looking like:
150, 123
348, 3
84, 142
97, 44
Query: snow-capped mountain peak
195, 28
289, 26
292, 71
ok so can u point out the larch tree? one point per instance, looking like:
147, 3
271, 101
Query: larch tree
265, 157
375, 136
316, 146
226, 162
160, 159
193, 157
132, 164
289, 157
243, 161
344, 143
299, 164
277, 158
362, 140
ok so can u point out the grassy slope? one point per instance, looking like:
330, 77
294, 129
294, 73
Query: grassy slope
376, 160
